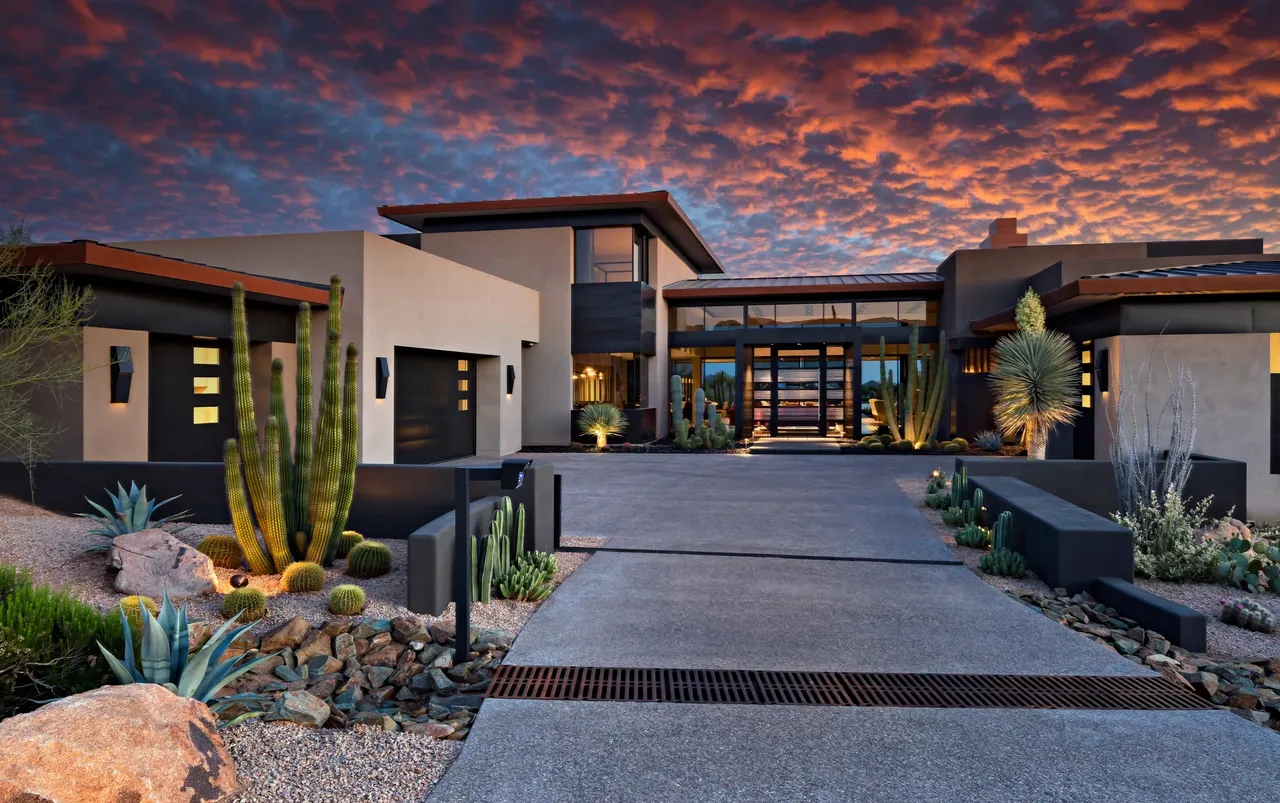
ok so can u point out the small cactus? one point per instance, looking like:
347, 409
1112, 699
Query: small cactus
369, 559
525, 585
1003, 562
973, 535
952, 448
875, 447
348, 540
1248, 614
346, 600
249, 602
303, 577
223, 550
937, 501
1002, 531
132, 607
540, 561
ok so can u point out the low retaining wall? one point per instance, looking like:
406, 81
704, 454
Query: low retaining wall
391, 501
1091, 484
1064, 544
1178, 623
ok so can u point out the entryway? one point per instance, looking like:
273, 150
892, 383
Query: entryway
799, 391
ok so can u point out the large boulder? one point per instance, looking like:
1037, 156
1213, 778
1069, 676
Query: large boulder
138, 742
152, 561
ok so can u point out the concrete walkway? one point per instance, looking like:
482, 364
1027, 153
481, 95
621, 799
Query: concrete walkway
832, 603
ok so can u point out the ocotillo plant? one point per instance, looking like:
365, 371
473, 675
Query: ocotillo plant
921, 402
301, 502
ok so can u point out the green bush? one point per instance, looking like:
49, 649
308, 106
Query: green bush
1164, 542
46, 638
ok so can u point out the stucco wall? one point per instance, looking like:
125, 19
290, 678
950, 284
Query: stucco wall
540, 259
1233, 392
670, 269
422, 300
115, 431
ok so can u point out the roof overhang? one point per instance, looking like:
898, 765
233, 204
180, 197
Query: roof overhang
758, 291
659, 207
88, 258
1089, 291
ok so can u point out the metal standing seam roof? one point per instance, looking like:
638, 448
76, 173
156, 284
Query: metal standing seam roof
1243, 268
802, 282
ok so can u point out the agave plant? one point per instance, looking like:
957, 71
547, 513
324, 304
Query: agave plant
133, 513
602, 420
166, 660
989, 440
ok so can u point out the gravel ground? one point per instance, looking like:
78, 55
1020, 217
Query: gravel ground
1224, 641
283, 763
584, 541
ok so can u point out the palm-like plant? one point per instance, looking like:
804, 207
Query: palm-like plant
133, 512
1036, 381
602, 420
166, 659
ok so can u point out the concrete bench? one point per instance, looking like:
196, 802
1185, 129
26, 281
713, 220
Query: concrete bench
430, 569
1066, 545
1178, 623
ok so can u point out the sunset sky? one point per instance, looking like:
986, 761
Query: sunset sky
800, 137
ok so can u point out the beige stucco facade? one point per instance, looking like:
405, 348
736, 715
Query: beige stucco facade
395, 295
542, 260
114, 431
1232, 374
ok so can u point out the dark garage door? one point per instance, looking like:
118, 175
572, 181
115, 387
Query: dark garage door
435, 406
192, 403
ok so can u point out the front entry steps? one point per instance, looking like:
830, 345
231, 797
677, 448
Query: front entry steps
796, 446
858, 689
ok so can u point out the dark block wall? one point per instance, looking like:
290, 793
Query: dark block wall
1090, 484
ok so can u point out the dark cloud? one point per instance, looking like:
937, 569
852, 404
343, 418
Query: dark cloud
801, 136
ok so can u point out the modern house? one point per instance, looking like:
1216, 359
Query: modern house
487, 325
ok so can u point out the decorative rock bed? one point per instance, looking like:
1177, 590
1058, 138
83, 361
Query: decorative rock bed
391, 674
1248, 688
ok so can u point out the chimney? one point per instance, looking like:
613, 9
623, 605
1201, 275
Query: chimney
1003, 233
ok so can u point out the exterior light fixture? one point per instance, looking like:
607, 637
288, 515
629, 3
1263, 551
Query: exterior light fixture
1103, 369
121, 374
239, 581
511, 379
937, 472
590, 371
381, 375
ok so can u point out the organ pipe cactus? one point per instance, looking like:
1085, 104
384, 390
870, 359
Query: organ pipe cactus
519, 531
677, 408
300, 501
959, 487
699, 411
921, 402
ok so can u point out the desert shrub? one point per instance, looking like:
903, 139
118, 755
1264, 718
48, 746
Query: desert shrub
1164, 542
47, 639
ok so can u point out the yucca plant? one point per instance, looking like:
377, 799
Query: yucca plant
165, 656
602, 420
1035, 379
133, 513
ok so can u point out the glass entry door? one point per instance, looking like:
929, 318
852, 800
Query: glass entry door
798, 392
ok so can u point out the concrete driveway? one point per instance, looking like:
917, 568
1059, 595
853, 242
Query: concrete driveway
832, 601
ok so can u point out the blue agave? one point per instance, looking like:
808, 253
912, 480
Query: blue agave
166, 659
989, 440
133, 512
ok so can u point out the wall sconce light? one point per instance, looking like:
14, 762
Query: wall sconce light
121, 374
1102, 367
382, 372
511, 379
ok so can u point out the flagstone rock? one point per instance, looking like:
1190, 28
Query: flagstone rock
152, 562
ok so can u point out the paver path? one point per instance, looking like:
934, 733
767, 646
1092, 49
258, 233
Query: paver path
808, 611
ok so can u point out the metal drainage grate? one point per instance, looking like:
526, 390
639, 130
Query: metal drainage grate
867, 689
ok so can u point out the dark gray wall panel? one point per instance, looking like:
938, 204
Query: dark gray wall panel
617, 317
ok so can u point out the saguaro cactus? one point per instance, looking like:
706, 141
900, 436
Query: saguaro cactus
699, 410
677, 407
921, 402
301, 504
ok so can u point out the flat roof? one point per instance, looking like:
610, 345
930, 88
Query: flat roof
659, 206
1243, 277
90, 258
833, 284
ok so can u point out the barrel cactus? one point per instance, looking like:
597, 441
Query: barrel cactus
132, 607
346, 600
1248, 614
223, 550
249, 602
369, 559
346, 541
303, 577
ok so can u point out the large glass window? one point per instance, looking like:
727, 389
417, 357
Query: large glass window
724, 317
614, 254
877, 313
839, 314
619, 379
760, 315
686, 319
798, 315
